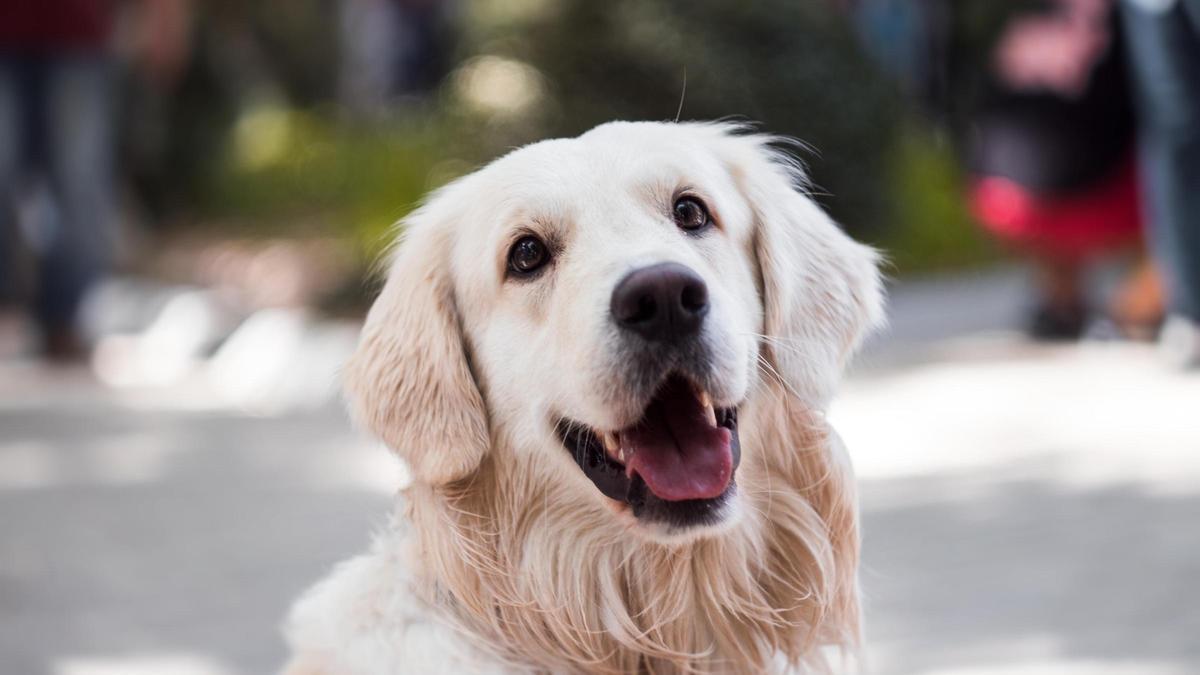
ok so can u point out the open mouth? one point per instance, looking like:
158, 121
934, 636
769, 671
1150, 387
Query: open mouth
675, 464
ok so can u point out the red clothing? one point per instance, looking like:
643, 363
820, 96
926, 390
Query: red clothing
39, 26
1077, 226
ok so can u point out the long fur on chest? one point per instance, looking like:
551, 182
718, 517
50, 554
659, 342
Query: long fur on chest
536, 576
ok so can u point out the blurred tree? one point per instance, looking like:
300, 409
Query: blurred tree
792, 66
255, 136
242, 54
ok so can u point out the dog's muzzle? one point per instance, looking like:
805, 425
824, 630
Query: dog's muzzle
675, 465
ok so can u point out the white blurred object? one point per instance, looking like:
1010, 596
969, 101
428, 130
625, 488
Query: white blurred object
313, 377
248, 368
124, 305
169, 348
1179, 343
281, 359
198, 347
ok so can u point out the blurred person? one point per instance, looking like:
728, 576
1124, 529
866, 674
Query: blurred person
909, 40
1051, 155
1164, 50
57, 144
1049, 139
391, 48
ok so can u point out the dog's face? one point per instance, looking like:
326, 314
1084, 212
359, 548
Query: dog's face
609, 297
603, 307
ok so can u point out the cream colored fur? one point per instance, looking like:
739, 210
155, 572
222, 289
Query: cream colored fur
503, 558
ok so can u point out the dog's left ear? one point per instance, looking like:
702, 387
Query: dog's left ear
410, 381
821, 290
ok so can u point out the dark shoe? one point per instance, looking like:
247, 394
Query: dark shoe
64, 345
1058, 324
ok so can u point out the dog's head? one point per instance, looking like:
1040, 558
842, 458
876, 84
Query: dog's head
602, 307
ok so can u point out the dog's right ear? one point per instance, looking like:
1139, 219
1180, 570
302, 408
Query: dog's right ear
409, 381
821, 290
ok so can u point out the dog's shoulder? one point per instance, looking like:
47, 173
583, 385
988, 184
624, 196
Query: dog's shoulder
364, 618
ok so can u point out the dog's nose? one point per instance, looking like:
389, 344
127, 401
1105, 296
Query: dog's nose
662, 302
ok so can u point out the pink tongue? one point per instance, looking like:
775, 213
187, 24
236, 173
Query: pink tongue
675, 449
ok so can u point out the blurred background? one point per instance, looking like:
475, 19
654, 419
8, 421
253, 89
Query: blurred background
194, 197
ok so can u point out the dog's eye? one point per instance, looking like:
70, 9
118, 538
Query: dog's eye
528, 255
690, 214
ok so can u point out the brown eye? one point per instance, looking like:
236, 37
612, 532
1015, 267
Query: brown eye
528, 255
690, 214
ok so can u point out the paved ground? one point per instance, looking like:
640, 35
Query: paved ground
1027, 510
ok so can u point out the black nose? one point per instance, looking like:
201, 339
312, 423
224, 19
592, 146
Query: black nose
662, 302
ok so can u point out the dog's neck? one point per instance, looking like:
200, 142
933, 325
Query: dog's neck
537, 578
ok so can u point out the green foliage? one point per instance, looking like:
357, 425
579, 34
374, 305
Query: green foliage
325, 176
930, 226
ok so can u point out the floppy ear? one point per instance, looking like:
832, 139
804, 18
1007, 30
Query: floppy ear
821, 290
409, 382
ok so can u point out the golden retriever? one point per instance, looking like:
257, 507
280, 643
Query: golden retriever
606, 362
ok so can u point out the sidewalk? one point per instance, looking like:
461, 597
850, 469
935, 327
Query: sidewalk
1026, 509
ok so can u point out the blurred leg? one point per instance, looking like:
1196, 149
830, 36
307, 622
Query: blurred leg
1165, 58
10, 152
1137, 306
1061, 312
80, 154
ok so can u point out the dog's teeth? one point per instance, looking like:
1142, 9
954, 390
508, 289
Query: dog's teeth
611, 444
710, 413
621, 454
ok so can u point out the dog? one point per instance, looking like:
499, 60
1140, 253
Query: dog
605, 361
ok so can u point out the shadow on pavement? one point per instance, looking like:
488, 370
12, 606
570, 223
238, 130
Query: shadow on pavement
1004, 572
196, 548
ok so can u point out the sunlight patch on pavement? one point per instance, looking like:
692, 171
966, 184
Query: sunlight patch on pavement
1106, 413
139, 664
360, 464
120, 459
128, 459
1065, 668
27, 465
